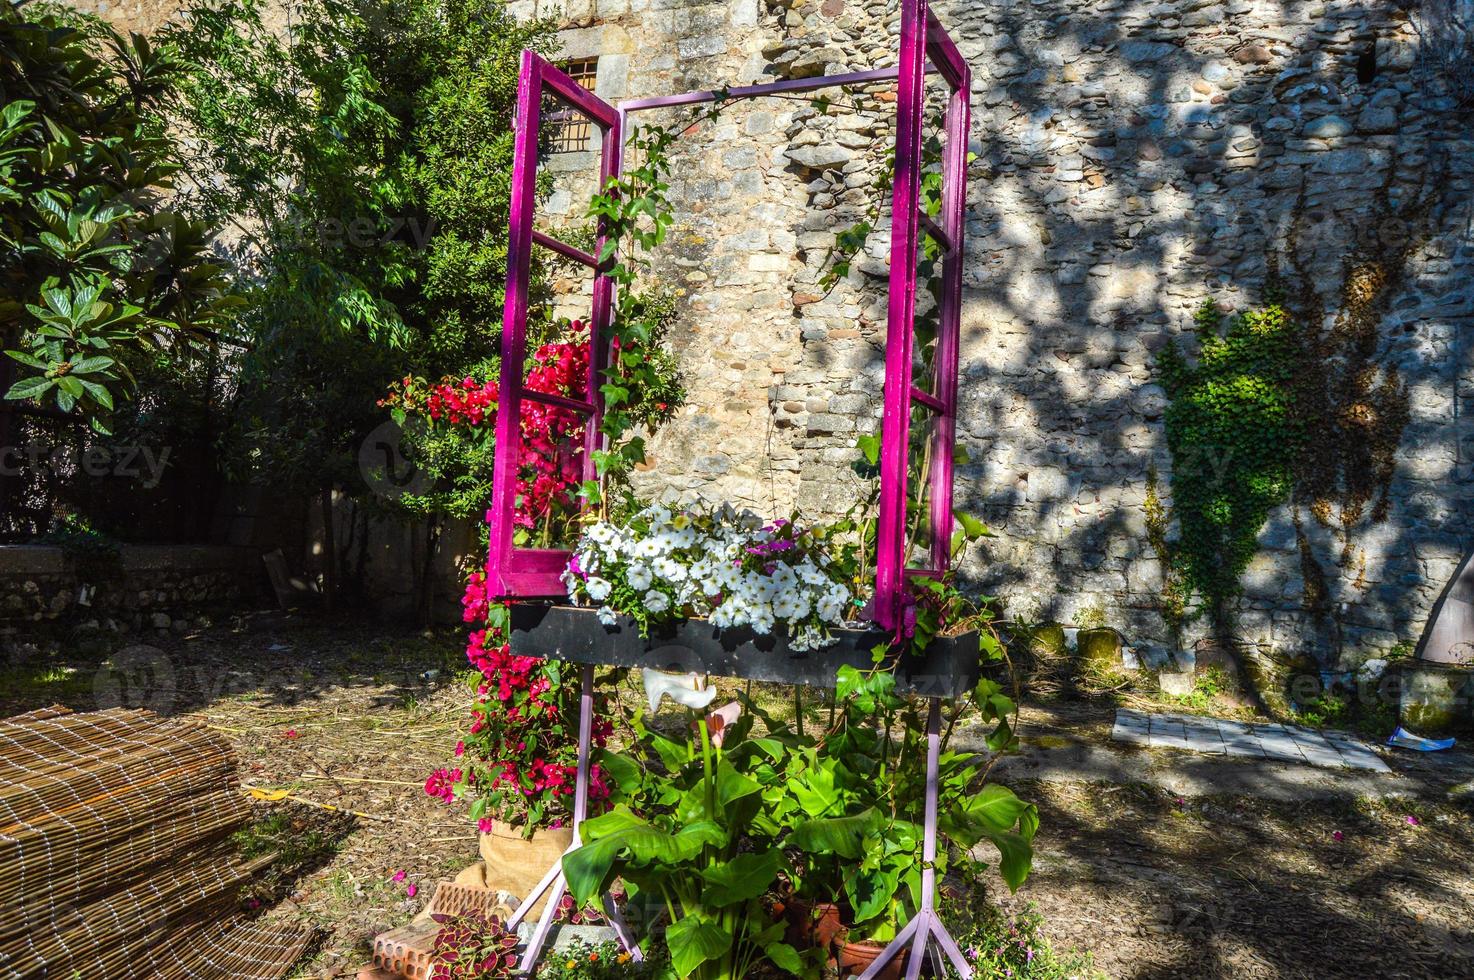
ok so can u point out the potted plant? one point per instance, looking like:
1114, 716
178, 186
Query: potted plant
861, 797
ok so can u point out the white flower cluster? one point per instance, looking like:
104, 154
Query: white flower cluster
724, 566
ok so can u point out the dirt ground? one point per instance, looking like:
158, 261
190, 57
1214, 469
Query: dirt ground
352, 716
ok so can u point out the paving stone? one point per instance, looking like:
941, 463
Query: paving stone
1355, 753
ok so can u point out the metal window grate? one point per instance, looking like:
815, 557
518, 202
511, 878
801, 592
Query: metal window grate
571, 129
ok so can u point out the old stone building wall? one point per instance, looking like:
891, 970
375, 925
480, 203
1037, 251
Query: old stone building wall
1133, 159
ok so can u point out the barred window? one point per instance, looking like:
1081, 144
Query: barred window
570, 129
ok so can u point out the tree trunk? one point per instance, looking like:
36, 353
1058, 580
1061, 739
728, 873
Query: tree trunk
426, 599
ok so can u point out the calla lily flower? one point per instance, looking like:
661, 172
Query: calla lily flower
719, 720
687, 690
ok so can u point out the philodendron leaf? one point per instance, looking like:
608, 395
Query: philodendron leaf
870, 891
997, 805
784, 957
1017, 856
744, 877
693, 941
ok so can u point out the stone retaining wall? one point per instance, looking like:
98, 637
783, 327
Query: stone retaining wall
148, 587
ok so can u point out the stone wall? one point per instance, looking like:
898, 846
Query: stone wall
148, 587
1133, 159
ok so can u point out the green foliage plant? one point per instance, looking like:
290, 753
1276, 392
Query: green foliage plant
1234, 436
705, 827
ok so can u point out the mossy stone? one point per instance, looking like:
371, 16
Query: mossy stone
1100, 649
1435, 698
1049, 640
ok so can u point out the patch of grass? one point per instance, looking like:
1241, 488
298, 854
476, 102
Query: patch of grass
1208, 687
46, 684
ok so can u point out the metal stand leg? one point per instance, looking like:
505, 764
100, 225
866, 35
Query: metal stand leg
554, 878
927, 924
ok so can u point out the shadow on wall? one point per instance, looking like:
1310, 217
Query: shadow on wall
1134, 159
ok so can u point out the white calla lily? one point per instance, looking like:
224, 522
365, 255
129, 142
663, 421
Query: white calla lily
687, 690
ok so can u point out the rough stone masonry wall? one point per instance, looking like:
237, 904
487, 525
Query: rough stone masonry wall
155, 587
1133, 159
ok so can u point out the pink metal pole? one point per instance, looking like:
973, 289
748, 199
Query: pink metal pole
514, 327
554, 879
784, 87
954, 210
926, 926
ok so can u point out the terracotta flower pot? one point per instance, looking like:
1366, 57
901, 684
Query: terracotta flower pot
516, 864
855, 958
813, 925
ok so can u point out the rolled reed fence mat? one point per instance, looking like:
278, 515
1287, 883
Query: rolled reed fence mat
116, 858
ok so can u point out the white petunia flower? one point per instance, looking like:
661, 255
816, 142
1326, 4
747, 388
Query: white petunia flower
606, 616
599, 588
639, 576
656, 602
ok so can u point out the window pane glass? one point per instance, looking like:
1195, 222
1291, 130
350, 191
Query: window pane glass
921, 458
551, 458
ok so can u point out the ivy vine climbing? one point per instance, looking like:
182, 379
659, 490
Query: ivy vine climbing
1235, 438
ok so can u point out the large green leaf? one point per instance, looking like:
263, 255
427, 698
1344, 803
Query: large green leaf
1017, 856
870, 890
733, 785
816, 793
844, 836
29, 388
784, 957
693, 941
996, 806
620, 832
745, 876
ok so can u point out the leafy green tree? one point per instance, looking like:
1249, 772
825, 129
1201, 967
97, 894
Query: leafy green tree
98, 269
363, 160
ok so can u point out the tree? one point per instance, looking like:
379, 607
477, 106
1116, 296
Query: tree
364, 162
99, 270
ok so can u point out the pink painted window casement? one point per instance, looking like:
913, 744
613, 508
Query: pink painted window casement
918, 423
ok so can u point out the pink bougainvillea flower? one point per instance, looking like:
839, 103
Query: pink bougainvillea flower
1337, 836
289, 733
399, 876
1413, 821
412, 890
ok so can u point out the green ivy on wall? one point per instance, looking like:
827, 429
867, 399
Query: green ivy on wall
1235, 439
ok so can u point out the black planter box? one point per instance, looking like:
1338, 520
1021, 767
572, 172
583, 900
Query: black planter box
947, 669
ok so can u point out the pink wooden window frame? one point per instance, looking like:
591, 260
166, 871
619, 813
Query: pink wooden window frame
536, 572
530, 573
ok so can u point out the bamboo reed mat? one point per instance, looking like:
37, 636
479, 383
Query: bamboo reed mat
115, 855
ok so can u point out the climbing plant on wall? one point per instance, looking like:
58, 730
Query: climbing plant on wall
1235, 439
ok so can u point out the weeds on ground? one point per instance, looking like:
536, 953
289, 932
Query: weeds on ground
996, 945
1208, 687
606, 961
301, 843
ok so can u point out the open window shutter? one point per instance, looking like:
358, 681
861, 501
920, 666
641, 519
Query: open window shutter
529, 572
